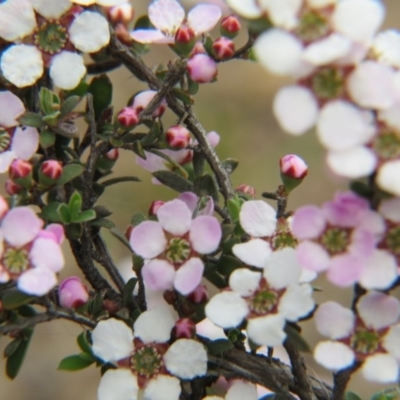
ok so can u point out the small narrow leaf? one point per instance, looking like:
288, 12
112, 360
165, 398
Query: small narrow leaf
47, 138
76, 362
64, 214
50, 212
205, 186
31, 119
69, 105
351, 396
137, 218
174, 181
70, 172
101, 89
83, 342
185, 97
295, 337
128, 291
16, 359
13, 299
75, 205
85, 216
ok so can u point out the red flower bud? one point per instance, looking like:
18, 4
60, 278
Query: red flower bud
230, 26
247, 190
155, 205
128, 117
51, 169
72, 293
202, 68
112, 155
19, 169
184, 35
12, 188
184, 328
178, 137
223, 48
122, 13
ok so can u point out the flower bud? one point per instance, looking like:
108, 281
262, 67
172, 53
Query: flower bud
112, 155
121, 14
247, 190
72, 293
20, 171
199, 295
155, 205
198, 49
143, 99
12, 188
202, 68
223, 48
184, 328
230, 26
184, 40
178, 137
122, 33
128, 117
293, 170
49, 172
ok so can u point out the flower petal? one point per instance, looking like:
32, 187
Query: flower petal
282, 13
345, 269
390, 209
166, 15
296, 302
6, 158
25, 142
150, 36
267, 330
308, 222
186, 359
118, 384
244, 281
257, 218
188, 276
202, 18
255, 252
162, 387
67, 69
11, 107
313, 256
51, 9
205, 234
388, 177
391, 341
175, 217
112, 340
382, 368
242, 390
158, 274
148, 239
37, 281
333, 355
46, 254
154, 325
245, 8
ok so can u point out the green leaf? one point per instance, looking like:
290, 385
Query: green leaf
47, 138
205, 186
120, 179
128, 291
138, 149
83, 342
138, 218
233, 209
75, 205
13, 299
80, 90
69, 105
16, 359
183, 96
52, 119
48, 100
74, 230
174, 181
50, 212
31, 119
193, 87
12, 347
76, 362
227, 264
229, 165
153, 135
391, 393
70, 172
64, 214
216, 279
219, 346
85, 216
103, 223
101, 89
351, 396
121, 237
295, 338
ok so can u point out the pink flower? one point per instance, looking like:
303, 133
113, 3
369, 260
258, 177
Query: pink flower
172, 246
202, 68
72, 293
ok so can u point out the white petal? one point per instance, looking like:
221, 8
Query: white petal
245, 8
244, 281
166, 15
390, 209
162, 387
203, 17
378, 310
320, 3
381, 368
226, 309
189, 275
283, 13
282, 268
391, 341
108, 3
154, 325
175, 217
388, 177
241, 390
342, 126
380, 271
385, 47
9, 101
17, 19
354, 163
25, 142
46, 254
371, 85
149, 36
89, 32
346, 18
296, 302
267, 330
22, 65
334, 321
327, 50
255, 252
118, 384
112, 340
391, 116
37, 281
333, 355
6, 158
296, 109
186, 359
279, 51
257, 218
67, 69
50, 8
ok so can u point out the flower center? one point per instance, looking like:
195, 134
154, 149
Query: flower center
50, 37
5, 140
282, 239
312, 26
328, 83
335, 240
263, 301
178, 250
393, 240
365, 341
16, 260
146, 361
387, 145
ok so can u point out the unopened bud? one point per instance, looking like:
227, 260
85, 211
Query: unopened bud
202, 68
169, 296
20, 171
178, 137
223, 48
128, 117
155, 205
12, 188
121, 14
293, 170
112, 155
110, 306
184, 35
143, 99
247, 190
199, 295
72, 293
49, 172
198, 49
184, 328
230, 26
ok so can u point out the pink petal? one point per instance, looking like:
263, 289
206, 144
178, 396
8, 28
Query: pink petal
258, 218
37, 281
166, 15
11, 107
203, 18
20, 226
25, 142
308, 222
313, 256
189, 276
345, 270
148, 239
158, 274
150, 36
205, 234
46, 254
362, 243
57, 230
175, 217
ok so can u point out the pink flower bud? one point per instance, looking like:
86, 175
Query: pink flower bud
3, 207
199, 295
143, 99
178, 137
184, 35
72, 293
230, 26
293, 170
12, 188
20, 169
223, 48
51, 169
184, 328
122, 13
112, 155
202, 68
128, 117
198, 49
155, 205
247, 190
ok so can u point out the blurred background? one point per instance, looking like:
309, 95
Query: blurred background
238, 107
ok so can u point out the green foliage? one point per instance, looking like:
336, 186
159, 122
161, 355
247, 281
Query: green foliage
101, 89
76, 362
219, 346
13, 299
294, 336
392, 393
174, 181
15, 352
70, 172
